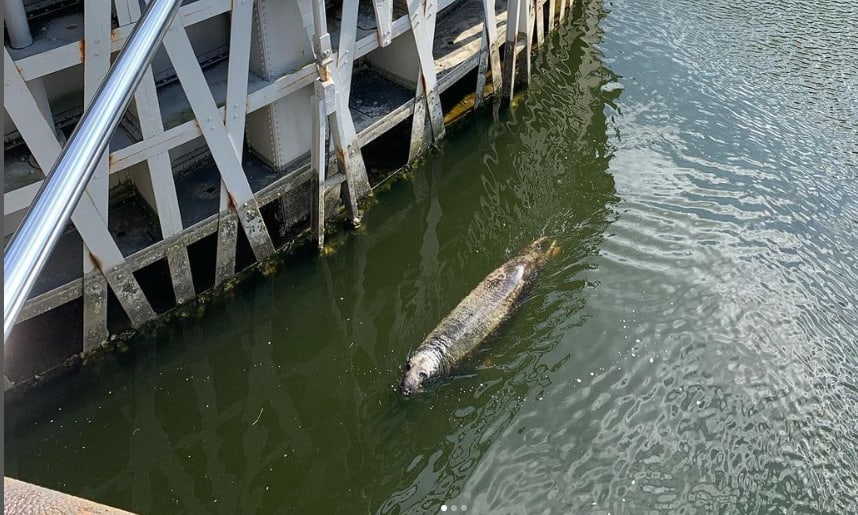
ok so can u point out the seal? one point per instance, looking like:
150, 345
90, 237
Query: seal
480, 313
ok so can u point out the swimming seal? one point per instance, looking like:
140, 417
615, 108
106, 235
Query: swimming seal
480, 313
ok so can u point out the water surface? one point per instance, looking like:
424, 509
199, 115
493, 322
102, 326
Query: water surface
693, 349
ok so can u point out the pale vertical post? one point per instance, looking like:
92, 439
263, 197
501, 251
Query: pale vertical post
225, 155
125, 11
315, 24
347, 148
539, 8
482, 69
511, 47
525, 28
348, 153
422, 14
96, 25
331, 100
518, 46
562, 16
160, 170
318, 155
490, 38
383, 20
427, 64
16, 24
346, 49
421, 134
552, 12
235, 113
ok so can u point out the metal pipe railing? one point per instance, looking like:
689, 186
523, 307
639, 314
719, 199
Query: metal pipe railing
32, 243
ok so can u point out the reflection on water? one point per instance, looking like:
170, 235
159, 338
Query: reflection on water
283, 395
692, 349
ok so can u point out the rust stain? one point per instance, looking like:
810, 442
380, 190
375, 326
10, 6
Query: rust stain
82, 47
114, 35
95, 261
230, 202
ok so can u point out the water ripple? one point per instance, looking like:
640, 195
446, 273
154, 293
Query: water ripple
693, 348
730, 271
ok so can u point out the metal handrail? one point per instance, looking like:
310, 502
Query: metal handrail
32, 243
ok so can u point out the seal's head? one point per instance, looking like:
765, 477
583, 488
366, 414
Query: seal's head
542, 250
418, 369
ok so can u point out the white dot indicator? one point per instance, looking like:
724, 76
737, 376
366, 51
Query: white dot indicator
443, 507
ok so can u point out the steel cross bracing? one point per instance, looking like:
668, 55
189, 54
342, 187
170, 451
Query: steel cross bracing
287, 96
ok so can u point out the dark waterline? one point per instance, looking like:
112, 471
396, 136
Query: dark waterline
693, 349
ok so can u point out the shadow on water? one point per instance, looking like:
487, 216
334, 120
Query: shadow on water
282, 399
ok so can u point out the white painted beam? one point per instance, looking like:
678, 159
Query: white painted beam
96, 27
92, 227
318, 158
235, 113
383, 19
220, 145
66, 56
160, 171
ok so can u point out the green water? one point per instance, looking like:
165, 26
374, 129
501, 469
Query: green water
693, 349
